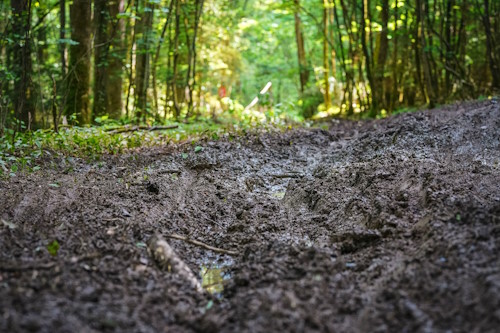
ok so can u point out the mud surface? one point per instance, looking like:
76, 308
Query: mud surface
390, 225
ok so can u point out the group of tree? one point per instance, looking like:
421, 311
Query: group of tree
149, 60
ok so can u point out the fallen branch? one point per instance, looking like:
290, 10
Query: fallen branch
26, 267
168, 171
139, 128
167, 259
203, 245
288, 175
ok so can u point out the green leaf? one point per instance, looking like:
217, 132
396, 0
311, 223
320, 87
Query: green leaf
198, 149
184, 155
53, 247
54, 185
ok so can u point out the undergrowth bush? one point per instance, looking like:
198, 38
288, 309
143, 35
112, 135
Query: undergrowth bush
22, 151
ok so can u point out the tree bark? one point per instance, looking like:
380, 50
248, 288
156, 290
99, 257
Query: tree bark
383, 44
62, 36
101, 37
191, 83
114, 106
157, 55
79, 65
22, 65
326, 62
431, 93
364, 9
177, 108
108, 55
490, 46
142, 67
301, 52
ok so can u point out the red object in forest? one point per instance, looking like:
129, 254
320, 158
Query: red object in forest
222, 91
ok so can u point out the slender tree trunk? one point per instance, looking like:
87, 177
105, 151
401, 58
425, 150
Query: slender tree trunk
79, 65
114, 106
490, 46
383, 45
421, 11
187, 86
143, 29
301, 52
418, 54
326, 61
347, 91
448, 47
131, 55
192, 65
349, 69
169, 79
22, 66
177, 107
63, 54
333, 54
364, 9
394, 93
108, 55
157, 55
101, 38
62, 36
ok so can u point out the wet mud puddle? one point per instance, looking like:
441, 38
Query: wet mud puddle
214, 274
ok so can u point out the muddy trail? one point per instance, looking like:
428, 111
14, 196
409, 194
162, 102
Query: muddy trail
387, 225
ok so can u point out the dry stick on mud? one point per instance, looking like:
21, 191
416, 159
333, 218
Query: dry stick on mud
167, 259
13, 267
203, 245
139, 128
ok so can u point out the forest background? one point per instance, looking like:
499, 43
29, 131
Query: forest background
157, 62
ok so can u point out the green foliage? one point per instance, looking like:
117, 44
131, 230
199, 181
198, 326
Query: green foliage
309, 103
53, 248
240, 47
26, 151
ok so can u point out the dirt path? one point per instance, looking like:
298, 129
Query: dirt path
389, 225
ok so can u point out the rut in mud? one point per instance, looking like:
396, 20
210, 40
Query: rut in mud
388, 225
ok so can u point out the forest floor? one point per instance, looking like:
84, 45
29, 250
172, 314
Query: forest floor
383, 225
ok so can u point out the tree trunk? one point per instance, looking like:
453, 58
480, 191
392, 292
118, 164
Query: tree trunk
108, 55
22, 65
79, 62
177, 107
191, 83
301, 52
490, 46
131, 55
157, 55
101, 37
431, 94
62, 36
364, 9
392, 99
114, 106
143, 29
326, 62
382, 46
